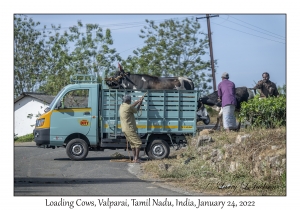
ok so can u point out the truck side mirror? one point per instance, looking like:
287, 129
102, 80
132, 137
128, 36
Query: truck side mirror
58, 105
47, 109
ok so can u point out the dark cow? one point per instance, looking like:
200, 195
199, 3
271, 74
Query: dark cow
125, 80
241, 93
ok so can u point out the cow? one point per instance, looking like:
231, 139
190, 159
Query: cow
125, 80
241, 93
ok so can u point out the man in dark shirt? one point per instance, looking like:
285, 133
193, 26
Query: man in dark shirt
267, 88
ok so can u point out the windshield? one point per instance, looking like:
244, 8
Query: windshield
52, 103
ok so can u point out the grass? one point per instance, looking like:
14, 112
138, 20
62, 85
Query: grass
255, 166
25, 138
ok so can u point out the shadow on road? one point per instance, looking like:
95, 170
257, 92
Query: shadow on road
100, 158
52, 182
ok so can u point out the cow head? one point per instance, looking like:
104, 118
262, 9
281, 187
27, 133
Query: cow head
210, 100
115, 82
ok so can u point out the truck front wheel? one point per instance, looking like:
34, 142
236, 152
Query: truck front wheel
158, 149
77, 149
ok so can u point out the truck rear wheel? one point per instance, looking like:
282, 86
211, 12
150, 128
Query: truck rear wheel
158, 149
77, 149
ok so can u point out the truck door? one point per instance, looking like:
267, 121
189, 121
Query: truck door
73, 116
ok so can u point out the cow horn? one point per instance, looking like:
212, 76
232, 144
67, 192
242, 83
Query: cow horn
120, 67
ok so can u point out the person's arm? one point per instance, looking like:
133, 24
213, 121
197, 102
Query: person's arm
276, 93
138, 103
233, 89
258, 85
219, 93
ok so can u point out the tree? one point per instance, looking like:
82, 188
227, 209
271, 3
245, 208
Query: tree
29, 55
282, 89
81, 50
173, 48
56, 72
92, 51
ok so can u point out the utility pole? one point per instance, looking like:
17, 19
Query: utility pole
211, 48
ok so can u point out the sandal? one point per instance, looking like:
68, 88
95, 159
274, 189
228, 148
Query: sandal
137, 161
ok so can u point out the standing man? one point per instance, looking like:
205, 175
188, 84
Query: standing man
267, 88
226, 93
128, 125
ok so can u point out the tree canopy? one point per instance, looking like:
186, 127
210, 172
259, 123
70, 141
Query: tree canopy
173, 48
44, 59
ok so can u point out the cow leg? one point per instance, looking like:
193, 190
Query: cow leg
217, 124
219, 120
238, 127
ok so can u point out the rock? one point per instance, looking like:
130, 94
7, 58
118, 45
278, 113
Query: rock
214, 152
206, 132
233, 166
242, 138
274, 162
202, 140
118, 155
163, 166
179, 156
216, 155
229, 149
188, 160
170, 168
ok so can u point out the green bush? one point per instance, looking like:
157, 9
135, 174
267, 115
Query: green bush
25, 138
264, 113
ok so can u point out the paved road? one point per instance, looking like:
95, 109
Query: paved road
48, 172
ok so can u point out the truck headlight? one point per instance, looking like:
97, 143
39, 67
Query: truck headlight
40, 122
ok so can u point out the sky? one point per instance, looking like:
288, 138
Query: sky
245, 46
239, 50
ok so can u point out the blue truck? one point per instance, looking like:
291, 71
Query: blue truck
84, 117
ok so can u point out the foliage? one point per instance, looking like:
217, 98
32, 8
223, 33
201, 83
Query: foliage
173, 48
81, 50
45, 59
282, 89
29, 55
25, 138
266, 113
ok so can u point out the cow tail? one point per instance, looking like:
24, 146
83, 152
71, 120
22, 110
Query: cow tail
192, 84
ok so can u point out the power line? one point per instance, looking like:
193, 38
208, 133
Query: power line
255, 30
248, 33
131, 48
255, 26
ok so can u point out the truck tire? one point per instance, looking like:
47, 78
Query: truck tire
77, 149
158, 149
207, 121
